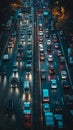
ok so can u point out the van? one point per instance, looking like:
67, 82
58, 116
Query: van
26, 86
45, 95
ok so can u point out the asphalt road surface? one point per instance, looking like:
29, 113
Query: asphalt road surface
37, 46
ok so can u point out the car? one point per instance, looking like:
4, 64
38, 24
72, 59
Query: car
70, 52
69, 102
28, 67
60, 124
40, 43
65, 85
56, 45
55, 39
48, 42
22, 39
46, 30
45, 96
54, 35
63, 74
11, 40
70, 59
58, 116
50, 58
53, 83
61, 33
71, 115
20, 48
14, 34
40, 39
59, 53
51, 69
49, 47
19, 57
42, 56
26, 86
40, 33
6, 57
27, 121
62, 59
46, 107
29, 52
40, 28
27, 108
43, 74
10, 45
40, 25
58, 107
15, 72
30, 40
47, 35
26, 97
29, 56
23, 36
41, 47
49, 119
14, 82
29, 64
59, 119
15, 69
27, 114
29, 31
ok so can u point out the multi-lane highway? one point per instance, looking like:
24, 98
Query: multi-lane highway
35, 81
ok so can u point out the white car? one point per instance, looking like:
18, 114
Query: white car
53, 84
40, 33
48, 42
50, 58
41, 48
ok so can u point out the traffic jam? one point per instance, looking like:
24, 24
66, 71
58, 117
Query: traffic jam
17, 72
17, 66
54, 79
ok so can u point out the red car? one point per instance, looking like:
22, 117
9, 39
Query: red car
52, 69
27, 121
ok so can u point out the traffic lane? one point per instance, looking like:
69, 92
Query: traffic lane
61, 66
11, 63
14, 111
61, 90
3, 43
13, 114
4, 40
30, 78
7, 91
64, 48
36, 88
55, 94
5, 78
